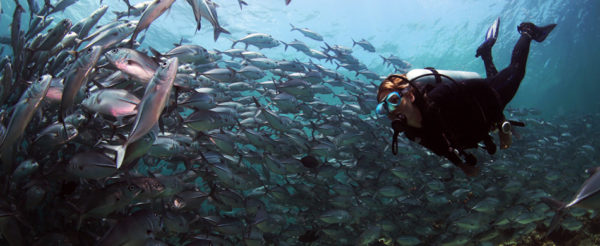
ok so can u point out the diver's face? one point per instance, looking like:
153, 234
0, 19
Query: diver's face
407, 107
401, 104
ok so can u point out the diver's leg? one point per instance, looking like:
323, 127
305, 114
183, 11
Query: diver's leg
485, 49
507, 82
490, 68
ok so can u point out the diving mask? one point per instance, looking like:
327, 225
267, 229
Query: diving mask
390, 103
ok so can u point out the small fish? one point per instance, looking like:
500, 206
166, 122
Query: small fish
83, 27
110, 35
61, 6
152, 12
135, 10
55, 35
260, 40
208, 10
365, 44
308, 33
188, 53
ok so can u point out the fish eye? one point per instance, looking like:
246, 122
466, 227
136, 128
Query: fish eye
131, 187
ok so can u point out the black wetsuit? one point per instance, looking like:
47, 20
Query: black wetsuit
457, 116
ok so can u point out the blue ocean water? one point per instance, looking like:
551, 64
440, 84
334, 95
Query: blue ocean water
561, 77
561, 83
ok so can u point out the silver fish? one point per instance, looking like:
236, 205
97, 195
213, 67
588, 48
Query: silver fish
152, 12
83, 27
151, 106
117, 103
61, 6
260, 40
55, 35
111, 36
135, 10
134, 63
188, 53
91, 165
76, 77
21, 116
308, 33
208, 10
365, 44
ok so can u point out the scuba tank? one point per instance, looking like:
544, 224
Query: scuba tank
430, 76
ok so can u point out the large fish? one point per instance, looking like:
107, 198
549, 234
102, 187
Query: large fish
22, 114
588, 197
83, 27
207, 9
55, 35
111, 35
133, 230
117, 103
76, 77
134, 63
152, 12
151, 106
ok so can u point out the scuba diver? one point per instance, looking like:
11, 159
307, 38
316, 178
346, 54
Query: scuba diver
450, 111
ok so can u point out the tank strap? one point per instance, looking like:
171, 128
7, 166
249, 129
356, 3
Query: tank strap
436, 74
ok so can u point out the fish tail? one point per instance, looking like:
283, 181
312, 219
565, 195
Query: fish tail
353, 43
218, 31
241, 2
155, 53
285, 45
120, 149
293, 27
560, 208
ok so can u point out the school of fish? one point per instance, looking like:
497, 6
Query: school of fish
105, 143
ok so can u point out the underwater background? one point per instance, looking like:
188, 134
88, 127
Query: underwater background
263, 192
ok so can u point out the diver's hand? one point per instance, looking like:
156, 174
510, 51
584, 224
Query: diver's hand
469, 170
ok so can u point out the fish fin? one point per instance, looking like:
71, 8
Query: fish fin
73, 53
256, 102
241, 2
120, 149
161, 125
155, 53
218, 30
560, 208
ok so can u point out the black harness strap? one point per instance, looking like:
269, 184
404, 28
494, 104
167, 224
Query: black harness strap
438, 78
